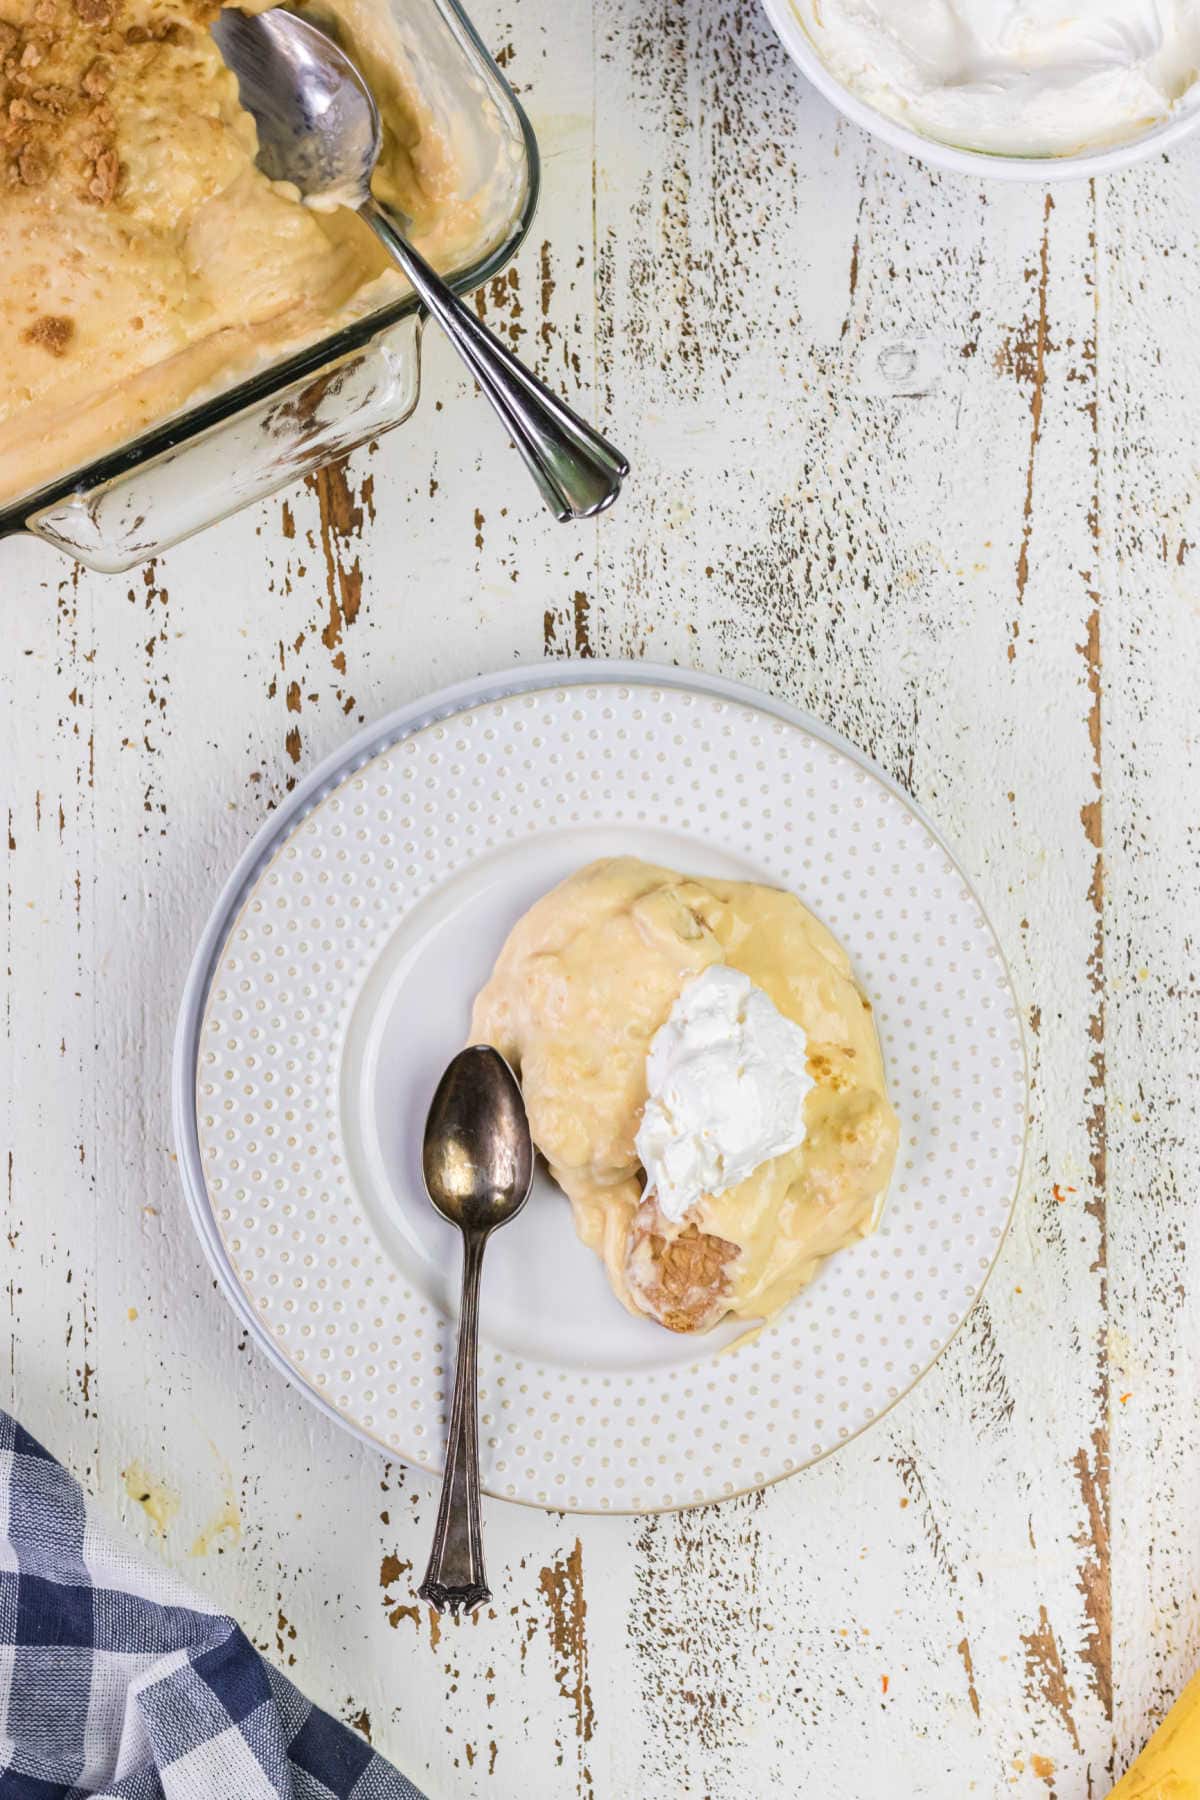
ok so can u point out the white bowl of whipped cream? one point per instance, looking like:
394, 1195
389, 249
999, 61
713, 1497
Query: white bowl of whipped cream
1022, 89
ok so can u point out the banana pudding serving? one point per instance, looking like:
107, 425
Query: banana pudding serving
703, 1077
145, 261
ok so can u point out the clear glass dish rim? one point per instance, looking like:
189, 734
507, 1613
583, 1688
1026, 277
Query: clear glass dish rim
318, 358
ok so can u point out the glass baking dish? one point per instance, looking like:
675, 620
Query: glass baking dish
268, 430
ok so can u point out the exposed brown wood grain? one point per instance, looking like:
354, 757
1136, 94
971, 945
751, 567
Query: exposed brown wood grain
1092, 1460
341, 511
964, 1651
1028, 354
1046, 1676
562, 1587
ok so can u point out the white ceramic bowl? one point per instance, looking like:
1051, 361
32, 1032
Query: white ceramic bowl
335, 980
803, 52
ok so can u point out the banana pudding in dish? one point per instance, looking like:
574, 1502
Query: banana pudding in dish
145, 261
703, 1077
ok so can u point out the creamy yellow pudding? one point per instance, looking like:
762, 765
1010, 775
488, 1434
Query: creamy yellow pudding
144, 260
594, 985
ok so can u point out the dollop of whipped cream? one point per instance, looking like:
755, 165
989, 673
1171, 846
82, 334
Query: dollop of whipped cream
727, 1079
1020, 77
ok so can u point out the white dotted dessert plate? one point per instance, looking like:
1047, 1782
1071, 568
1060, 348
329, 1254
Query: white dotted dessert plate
335, 980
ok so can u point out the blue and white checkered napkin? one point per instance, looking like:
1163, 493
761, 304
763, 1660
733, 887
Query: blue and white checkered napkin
117, 1681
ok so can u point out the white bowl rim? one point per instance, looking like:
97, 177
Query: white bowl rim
345, 761
991, 164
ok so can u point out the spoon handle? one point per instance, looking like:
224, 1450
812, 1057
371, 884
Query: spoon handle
579, 472
455, 1576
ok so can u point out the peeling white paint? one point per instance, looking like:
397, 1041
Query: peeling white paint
952, 573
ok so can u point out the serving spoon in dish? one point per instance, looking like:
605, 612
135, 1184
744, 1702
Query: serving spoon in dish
319, 128
477, 1160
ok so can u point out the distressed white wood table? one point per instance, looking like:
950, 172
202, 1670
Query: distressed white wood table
921, 456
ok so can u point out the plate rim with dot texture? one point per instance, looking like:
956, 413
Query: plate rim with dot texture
706, 1468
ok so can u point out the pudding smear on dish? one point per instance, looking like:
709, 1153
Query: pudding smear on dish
703, 1077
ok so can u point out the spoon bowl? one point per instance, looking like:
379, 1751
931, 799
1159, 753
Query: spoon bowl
318, 124
477, 1157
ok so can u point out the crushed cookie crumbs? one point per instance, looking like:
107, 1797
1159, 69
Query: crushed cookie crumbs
104, 177
51, 333
33, 168
97, 79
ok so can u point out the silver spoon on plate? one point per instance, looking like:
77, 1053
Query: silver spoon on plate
477, 1159
319, 128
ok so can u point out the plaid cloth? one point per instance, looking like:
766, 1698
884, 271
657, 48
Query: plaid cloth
117, 1681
